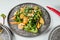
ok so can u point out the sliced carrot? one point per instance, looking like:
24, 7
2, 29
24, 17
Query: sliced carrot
14, 22
38, 25
41, 20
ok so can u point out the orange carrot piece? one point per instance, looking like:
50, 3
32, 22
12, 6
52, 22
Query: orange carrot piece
14, 22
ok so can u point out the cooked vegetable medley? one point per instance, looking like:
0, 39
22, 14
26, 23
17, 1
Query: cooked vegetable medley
28, 18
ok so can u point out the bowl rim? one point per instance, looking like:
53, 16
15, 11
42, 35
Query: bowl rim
57, 27
22, 4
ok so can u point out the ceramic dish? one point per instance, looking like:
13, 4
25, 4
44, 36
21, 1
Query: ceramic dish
55, 34
5, 35
14, 28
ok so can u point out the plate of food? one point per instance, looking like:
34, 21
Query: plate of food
28, 19
5, 33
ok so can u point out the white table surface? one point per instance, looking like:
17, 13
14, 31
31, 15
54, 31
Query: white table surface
7, 5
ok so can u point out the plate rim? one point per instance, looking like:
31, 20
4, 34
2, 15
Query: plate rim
53, 31
22, 4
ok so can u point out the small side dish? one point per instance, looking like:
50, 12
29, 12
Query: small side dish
4, 33
28, 18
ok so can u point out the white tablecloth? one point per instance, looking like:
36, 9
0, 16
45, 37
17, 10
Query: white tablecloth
7, 5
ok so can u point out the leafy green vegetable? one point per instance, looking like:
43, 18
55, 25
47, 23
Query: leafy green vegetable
34, 30
28, 10
18, 16
31, 26
37, 14
18, 19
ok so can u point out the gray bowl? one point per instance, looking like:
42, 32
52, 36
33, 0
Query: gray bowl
55, 34
5, 35
14, 28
